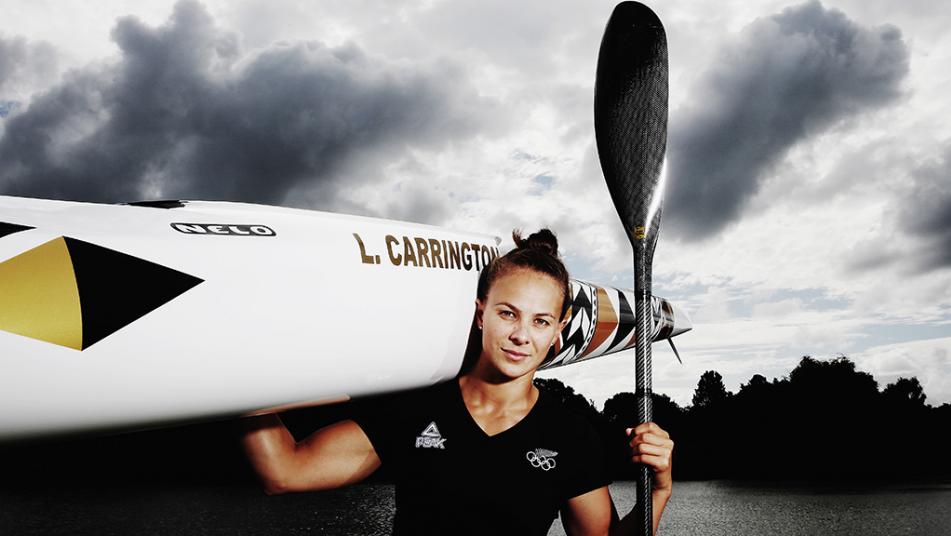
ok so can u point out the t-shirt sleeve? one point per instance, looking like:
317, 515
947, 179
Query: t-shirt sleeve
379, 417
591, 470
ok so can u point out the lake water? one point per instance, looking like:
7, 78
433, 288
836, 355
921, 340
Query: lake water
713, 508
707, 508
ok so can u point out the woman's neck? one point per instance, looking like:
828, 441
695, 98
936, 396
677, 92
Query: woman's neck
482, 395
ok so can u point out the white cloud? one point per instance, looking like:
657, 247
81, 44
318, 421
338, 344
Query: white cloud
929, 360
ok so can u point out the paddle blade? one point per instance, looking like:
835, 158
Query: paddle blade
630, 118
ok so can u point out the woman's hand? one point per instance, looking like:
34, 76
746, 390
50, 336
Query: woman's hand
652, 446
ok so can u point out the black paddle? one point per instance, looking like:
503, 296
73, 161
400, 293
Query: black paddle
630, 121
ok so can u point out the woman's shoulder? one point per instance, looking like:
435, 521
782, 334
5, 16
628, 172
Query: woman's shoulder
573, 433
416, 395
556, 411
444, 389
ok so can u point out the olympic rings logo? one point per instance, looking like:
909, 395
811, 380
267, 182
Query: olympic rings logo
543, 462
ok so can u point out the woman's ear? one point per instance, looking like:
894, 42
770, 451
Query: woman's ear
480, 308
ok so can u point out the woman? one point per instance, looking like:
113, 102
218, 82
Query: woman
486, 453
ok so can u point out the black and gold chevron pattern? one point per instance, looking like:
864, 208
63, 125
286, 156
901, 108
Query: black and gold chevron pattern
74, 293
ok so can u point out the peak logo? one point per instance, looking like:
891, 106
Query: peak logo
431, 438
223, 229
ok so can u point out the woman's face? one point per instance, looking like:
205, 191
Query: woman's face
519, 322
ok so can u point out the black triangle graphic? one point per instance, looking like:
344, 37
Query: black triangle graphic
116, 289
575, 342
580, 308
10, 228
625, 321
581, 301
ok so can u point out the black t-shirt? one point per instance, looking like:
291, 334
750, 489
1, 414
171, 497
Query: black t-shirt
452, 478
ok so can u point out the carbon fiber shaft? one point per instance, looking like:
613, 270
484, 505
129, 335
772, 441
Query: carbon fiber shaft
630, 116
644, 389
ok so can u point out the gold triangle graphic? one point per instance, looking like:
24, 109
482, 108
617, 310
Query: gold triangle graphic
39, 297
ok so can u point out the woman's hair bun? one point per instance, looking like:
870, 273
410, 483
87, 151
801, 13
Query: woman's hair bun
543, 240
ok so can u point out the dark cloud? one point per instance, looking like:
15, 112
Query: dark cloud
926, 213
787, 77
916, 237
184, 113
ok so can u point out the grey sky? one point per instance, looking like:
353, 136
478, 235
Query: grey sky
808, 205
23, 60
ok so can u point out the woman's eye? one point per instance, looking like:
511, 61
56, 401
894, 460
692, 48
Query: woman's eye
542, 322
506, 314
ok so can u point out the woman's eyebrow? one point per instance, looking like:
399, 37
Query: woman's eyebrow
516, 309
509, 305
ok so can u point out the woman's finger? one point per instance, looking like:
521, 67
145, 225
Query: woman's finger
658, 463
646, 448
647, 427
652, 439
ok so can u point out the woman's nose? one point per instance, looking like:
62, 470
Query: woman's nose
519, 333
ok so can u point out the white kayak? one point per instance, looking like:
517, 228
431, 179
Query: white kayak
117, 316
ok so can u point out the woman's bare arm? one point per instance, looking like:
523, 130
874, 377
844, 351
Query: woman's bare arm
334, 456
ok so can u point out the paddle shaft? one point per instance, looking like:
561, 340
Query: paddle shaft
642, 381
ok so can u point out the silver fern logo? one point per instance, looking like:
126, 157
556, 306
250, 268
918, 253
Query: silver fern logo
542, 458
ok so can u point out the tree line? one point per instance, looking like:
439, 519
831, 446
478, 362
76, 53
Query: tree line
824, 421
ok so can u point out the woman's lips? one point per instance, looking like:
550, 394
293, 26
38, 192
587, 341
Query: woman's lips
513, 355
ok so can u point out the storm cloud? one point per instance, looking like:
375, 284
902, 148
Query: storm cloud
185, 113
787, 77
926, 212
